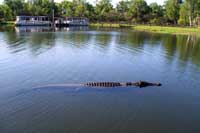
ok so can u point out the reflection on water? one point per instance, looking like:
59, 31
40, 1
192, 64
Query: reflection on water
20, 29
184, 47
31, 57
33, 29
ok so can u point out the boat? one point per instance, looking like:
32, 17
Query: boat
33, 21
71, 21
77, 21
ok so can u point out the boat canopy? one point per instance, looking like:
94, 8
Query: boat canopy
32, 18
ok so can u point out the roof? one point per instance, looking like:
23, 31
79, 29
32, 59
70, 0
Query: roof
77, 17
31, 16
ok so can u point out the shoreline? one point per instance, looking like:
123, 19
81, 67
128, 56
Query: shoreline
168, 29
12, 23
144, 28
152, 29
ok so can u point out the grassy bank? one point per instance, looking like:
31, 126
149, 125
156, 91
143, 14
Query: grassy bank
146, 28
7, 23
110, 25
105, 25
169, 30
155, 29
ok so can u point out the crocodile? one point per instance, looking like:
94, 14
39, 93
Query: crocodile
140, 84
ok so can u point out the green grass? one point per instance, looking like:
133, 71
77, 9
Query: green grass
155, 29
111, 25
169, 30
146, 28
105, 25
7, 22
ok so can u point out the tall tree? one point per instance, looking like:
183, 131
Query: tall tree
102, 8
123, 6
15, 5
184, 14
172, 10
42, 7
90, 11
67, 8
156, 14
5, 13
122, 9
80, 10
191, 9
139, 10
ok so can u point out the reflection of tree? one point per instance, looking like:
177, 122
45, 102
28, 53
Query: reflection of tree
155, 39
169, 43
103, 39
75, 38
139, 39
40, 42
183, 47
35, 42
7, 28
13, 40
188, 48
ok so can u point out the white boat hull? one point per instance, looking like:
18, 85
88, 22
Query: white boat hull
33, 23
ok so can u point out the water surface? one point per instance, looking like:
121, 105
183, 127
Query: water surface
31, 57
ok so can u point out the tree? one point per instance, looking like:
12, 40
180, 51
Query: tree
42, 7
172, 10
80, 10
112, 16
102, 8
156, 14
191, 9
123, 6
90, 11
76, 8
184, 14
66, 8
122, 10
197, 12
16, 6
139, 10
5, 13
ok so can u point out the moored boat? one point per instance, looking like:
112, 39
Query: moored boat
71, 21
32, 21
77, 21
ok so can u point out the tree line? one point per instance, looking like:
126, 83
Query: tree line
173, 12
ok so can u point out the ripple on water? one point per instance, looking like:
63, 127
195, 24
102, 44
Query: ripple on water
37, 59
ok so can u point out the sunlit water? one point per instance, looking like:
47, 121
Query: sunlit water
37, 57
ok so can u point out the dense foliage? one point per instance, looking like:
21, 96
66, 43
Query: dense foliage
173, 12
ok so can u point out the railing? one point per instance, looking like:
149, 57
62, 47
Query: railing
25, 22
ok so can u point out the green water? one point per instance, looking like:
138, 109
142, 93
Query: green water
31, 57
